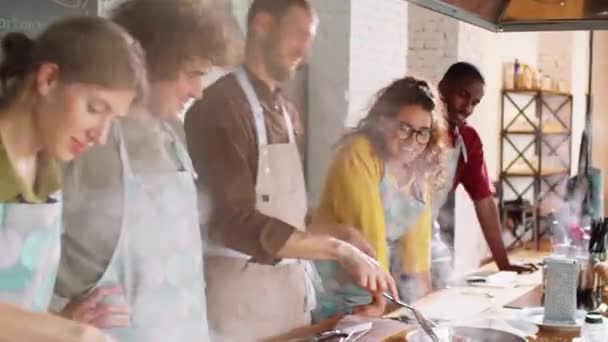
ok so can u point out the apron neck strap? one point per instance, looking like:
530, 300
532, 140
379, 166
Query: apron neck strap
461, 148
179, 149
122, 149
181, 152
257, 110
2, 212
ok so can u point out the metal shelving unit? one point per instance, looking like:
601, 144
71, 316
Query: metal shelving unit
535, 157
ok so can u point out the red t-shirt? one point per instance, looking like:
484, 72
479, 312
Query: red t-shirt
473, 174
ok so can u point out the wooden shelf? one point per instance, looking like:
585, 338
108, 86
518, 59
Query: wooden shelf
548, 128
536, 91
532, 173
545, 132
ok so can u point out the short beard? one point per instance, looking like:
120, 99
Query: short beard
273, 66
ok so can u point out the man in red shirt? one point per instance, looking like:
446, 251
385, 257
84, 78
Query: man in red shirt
462, 88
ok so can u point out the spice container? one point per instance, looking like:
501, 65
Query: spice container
594, 329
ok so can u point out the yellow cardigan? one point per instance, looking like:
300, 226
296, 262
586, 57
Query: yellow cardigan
351, 195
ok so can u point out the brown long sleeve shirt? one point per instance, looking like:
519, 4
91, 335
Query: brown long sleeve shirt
223, 145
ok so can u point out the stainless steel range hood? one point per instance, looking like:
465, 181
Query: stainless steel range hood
525, 15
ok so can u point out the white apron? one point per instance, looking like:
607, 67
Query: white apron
254, 302
30, 243
441, 264
158, 258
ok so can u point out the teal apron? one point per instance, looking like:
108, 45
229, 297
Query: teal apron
30, 243
341, 295
158, 258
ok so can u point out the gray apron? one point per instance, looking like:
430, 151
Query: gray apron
441, 257
30, 243
158, 258
253, 302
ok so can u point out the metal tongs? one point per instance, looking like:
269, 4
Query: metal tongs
331, 335
348, 334
426, 324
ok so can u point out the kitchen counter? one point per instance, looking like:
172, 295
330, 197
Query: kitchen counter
468, 301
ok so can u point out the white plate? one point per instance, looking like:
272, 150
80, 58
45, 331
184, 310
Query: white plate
536, 316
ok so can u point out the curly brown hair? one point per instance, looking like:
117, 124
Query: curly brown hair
173, 32
431, 165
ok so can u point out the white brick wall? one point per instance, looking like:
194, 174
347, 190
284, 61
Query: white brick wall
378, 51
361, 46
328, 87
432, 43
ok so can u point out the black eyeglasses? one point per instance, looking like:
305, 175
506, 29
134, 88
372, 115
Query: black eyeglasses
423, 135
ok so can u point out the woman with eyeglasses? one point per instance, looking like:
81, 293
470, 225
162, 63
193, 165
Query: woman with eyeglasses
380, 182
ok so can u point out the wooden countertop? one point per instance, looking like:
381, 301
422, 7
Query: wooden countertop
465, 300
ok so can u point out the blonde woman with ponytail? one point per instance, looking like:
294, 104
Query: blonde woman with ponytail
58, 95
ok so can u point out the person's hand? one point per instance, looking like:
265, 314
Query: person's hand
376, 308
345, 233
17, 324
365, 270
520, 268
92, 310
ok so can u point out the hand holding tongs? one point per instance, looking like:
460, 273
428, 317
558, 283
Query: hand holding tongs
426, 324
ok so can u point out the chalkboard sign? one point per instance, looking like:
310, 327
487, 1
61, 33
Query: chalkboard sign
32, 16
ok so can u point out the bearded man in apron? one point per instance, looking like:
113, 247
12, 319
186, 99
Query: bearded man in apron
243, 141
